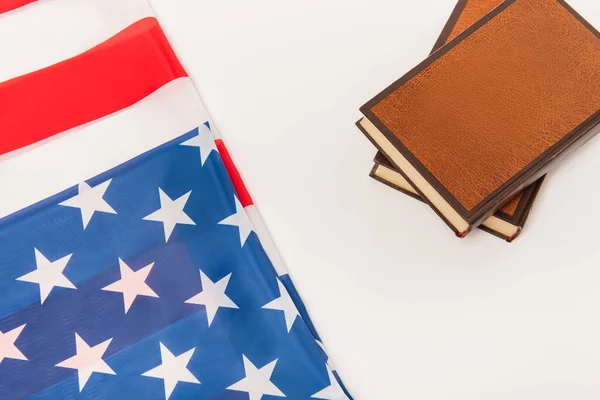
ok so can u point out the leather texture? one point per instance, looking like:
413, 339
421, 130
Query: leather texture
510, 208
486, 109
473, 11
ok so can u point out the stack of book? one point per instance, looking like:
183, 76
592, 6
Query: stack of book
510, 88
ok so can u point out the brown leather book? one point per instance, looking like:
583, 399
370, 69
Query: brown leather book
489, 113
508, 222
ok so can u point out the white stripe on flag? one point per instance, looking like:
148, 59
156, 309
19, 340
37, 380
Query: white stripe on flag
266, 241
50, 31
41, 170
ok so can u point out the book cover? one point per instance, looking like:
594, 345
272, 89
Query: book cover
508, 221
489, 113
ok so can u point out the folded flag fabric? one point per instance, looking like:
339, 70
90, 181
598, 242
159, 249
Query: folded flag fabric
133, 263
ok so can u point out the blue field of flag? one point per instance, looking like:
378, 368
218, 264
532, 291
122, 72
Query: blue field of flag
148, 282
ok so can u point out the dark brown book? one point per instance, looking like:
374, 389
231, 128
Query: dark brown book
508, 222
489, 113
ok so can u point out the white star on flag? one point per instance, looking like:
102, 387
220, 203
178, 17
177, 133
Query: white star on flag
331, 392
240, 220
257, 382
7, 345
89, 200
173, 369
48, 274
171, 213
204, 141
284, 303
212, 296
87, 360
132, 284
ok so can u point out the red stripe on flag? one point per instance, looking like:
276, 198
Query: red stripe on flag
234, 175
9, 5
111, 76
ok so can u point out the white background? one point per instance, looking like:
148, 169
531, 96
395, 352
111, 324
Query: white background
407, 310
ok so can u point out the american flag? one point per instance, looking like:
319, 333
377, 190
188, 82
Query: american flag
133, 263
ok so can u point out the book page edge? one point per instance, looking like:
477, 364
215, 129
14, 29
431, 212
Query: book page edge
494, 223
421, 184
